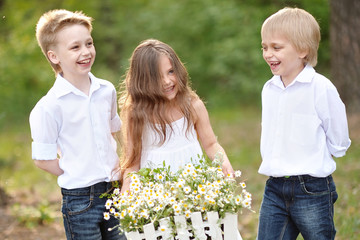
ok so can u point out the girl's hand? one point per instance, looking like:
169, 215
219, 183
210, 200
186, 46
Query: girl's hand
125, 188
127, 179
227, 168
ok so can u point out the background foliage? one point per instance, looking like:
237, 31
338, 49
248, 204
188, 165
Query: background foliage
218, 40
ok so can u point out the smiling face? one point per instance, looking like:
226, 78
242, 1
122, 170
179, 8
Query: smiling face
282, 57
168, 78
74, 52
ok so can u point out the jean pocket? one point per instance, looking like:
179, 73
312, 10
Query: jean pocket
316, 186
77, 204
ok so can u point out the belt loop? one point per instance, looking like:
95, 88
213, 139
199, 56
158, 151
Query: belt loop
328, 179
301, 179
92, 192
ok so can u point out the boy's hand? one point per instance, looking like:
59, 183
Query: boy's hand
51, 166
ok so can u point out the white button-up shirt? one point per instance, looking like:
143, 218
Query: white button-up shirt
68, 124
303, 126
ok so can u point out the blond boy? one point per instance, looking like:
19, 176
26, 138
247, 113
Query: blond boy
304, 126
72, 125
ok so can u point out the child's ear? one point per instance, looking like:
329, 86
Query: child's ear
53, 57
303, 54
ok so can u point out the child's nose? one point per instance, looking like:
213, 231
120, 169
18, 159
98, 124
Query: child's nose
166, 80
85, 50
268, 53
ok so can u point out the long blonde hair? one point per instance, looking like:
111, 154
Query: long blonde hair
142, 100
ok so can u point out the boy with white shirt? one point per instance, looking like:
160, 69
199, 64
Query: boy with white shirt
304, 126
72, 126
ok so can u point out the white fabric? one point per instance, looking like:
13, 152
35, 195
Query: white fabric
177, 151
303, 126
77, 127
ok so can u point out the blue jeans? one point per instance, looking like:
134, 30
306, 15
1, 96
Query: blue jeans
83, 214
298, 204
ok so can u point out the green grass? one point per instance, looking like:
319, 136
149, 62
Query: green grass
238, 131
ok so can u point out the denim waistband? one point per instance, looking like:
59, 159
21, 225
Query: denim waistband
299, 178
98, 188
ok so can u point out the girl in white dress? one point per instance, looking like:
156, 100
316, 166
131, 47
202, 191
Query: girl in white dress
163, 118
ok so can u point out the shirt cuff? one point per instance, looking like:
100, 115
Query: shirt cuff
339, 151
44, 151
115, 124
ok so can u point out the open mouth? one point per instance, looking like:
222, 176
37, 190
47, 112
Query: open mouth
274, 65
169, 89
85, 61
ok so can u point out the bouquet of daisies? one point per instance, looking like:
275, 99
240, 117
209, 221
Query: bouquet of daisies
158, 193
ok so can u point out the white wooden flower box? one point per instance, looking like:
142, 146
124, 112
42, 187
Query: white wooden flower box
200, 229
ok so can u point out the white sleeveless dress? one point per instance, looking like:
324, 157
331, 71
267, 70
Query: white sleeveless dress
179, 149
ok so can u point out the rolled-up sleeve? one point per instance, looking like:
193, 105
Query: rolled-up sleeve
115, 123
43, 151
44, 132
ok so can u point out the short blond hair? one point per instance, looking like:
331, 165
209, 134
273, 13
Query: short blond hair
51, 22
299, 27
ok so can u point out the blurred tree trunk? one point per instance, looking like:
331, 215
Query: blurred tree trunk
4, 198
345, 50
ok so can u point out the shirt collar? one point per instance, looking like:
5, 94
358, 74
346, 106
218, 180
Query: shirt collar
305, 76
63, 87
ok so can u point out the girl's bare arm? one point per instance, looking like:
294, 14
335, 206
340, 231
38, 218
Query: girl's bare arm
207, 136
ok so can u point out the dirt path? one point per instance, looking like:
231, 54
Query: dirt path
11, 229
